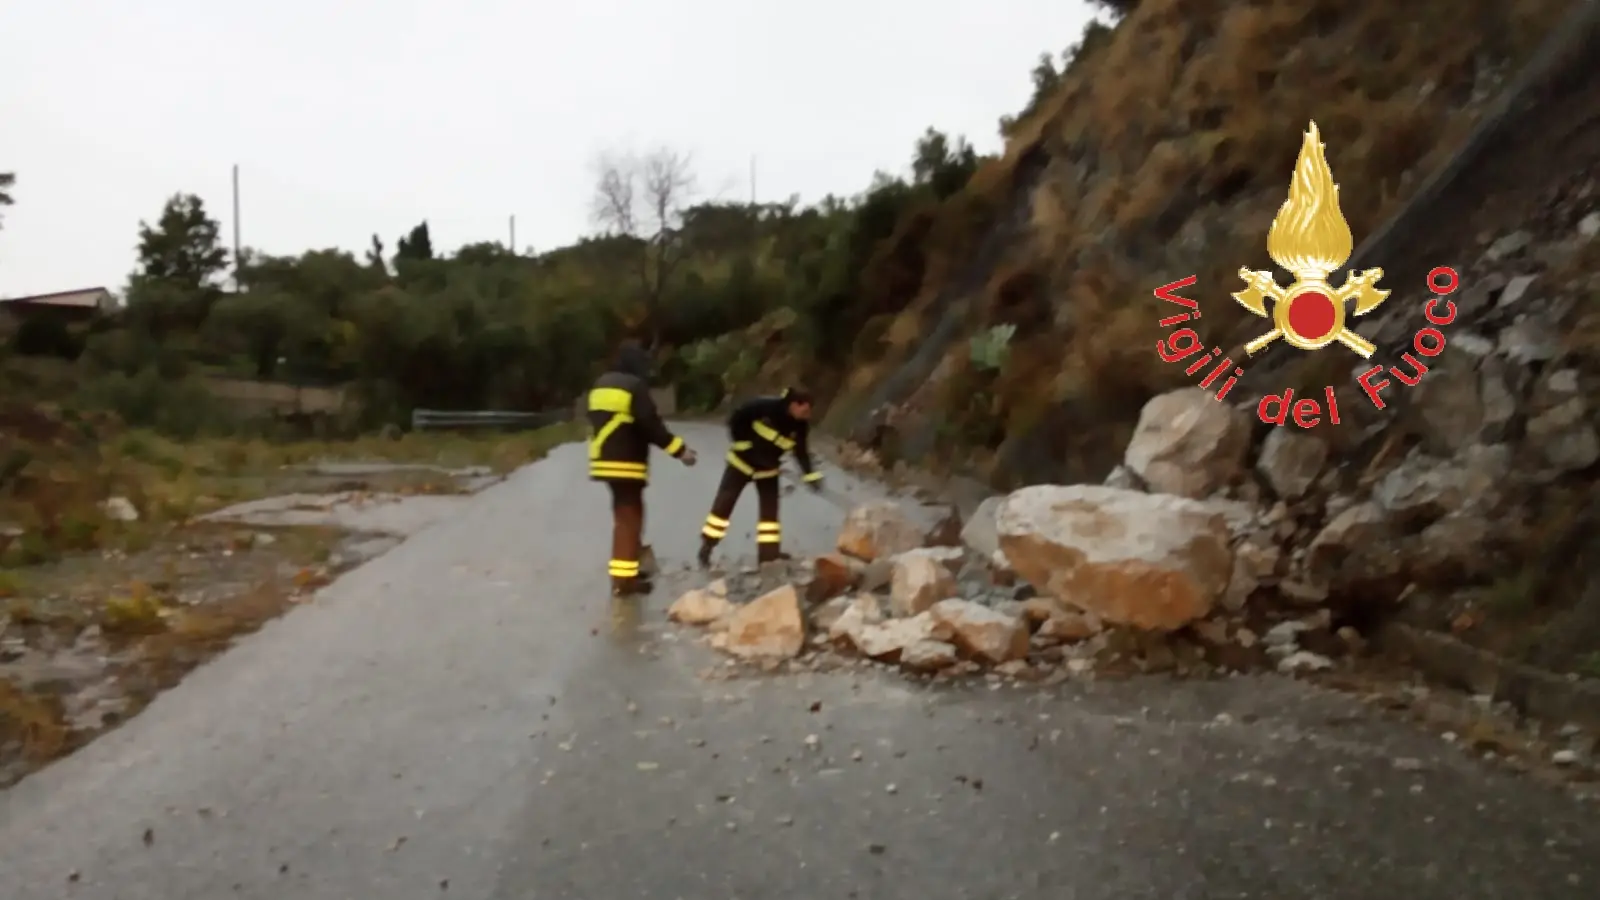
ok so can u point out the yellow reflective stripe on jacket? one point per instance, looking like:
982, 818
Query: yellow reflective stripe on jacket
768, 433
749, 470
742, 445
625, 472
674, 446
608, 465
616, 401
611, 400
813, 476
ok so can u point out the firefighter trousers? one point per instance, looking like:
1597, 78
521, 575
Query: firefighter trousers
769, 534
627, 533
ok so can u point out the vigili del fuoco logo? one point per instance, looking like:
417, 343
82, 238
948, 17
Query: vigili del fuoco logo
1310, 240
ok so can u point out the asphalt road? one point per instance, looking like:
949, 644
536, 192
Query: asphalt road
457, 719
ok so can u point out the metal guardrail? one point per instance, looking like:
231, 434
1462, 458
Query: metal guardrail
444, 419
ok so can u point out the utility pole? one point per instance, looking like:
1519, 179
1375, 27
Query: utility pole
236, 260
513, 245
752, 179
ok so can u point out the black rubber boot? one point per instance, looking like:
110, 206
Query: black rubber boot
630, 587
704, 557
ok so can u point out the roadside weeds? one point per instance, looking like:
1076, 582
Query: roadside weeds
113, 587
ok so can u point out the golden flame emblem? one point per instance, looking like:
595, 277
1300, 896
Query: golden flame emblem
1310, 239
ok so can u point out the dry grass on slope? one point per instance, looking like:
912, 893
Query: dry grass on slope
1170, 147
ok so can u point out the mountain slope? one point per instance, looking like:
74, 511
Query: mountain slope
1164, 153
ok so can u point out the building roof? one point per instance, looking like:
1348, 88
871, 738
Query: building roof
86, 298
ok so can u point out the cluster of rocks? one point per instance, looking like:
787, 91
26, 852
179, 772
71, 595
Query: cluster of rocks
885, 595
1301, 531
1029, 588
891, 593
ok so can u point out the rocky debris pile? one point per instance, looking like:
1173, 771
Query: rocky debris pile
885, 595
1463, 482
1104, 580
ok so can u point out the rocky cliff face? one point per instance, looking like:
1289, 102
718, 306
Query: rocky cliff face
1464, 505
1165, 154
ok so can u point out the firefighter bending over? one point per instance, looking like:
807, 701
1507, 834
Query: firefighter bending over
623, 423
762, 430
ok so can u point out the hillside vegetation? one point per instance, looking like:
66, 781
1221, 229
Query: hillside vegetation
1162, 152
486, 327
998, 305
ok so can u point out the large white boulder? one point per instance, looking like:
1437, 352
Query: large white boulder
1153, 561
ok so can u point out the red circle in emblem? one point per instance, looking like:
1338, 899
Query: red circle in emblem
1311, 314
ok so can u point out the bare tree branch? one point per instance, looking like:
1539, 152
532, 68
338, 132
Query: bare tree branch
645, 197
613, 205
668, 184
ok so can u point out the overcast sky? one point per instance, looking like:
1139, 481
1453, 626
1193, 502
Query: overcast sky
349, 117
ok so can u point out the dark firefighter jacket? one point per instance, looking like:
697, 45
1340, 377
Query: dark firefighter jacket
623, 422
762, 431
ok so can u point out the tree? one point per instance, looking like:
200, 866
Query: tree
8, 180
259, 322
375, 258
942, 166
643, 200
184, 247
1117, 8
933, 149
416, 245
1096, 35
180, 259
1046, 77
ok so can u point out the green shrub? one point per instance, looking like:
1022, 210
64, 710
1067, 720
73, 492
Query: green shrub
990, 349
182, 407
46, 336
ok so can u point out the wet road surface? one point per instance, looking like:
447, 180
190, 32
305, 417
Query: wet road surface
457, 719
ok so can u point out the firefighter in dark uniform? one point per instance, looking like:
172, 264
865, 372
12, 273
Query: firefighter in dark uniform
762, 430
623, 423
